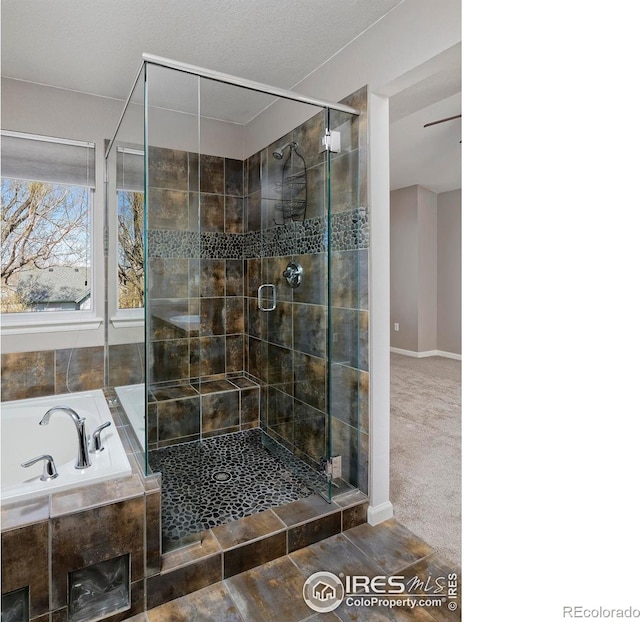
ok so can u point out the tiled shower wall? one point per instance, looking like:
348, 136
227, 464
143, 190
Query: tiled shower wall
196, 270
195, 274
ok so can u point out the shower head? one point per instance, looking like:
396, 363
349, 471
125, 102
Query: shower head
279, 152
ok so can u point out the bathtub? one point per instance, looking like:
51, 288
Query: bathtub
23, 439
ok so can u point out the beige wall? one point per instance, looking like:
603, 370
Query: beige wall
449, 271
427, 284
425, 270
404, 267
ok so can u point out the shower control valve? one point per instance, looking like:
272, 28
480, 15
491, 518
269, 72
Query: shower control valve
293, 274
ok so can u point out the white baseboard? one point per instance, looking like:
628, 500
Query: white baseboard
380, 513
426, 353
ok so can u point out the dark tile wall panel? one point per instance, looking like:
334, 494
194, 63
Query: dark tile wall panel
25, 562
75, 545
212, 212
314, 531
79, 369
254, 554
50, 372
168, 168
178, 419
233, 177
168, 586
168, 209
126, 364
153, 533
28, 374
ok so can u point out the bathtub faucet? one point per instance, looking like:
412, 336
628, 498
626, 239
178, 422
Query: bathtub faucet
83, 460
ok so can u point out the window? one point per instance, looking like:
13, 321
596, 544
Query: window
47, 191
130, 201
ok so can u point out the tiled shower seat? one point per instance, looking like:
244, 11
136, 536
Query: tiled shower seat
180, 413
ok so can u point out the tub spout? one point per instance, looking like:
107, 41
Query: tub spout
83, 460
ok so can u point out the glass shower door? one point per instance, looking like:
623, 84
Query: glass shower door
290, 176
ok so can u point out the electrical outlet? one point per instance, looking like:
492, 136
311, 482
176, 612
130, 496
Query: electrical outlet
396, 326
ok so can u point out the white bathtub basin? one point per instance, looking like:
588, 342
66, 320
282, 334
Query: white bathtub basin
23, 439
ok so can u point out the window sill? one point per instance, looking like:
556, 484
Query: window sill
12, 327
128, 318
127, 322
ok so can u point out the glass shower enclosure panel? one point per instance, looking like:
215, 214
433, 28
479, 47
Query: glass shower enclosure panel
125, 289
347, 242
238, 318
175, 348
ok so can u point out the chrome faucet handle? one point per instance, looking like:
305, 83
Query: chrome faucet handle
97, 439
49, 471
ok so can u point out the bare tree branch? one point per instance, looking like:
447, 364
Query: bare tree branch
130, 250
42, 225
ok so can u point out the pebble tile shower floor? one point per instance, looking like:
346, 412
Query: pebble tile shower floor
221, 479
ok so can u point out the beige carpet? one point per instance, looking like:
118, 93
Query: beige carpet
425, 450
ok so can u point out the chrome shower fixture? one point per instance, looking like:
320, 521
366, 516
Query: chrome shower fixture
279, 152
292, 186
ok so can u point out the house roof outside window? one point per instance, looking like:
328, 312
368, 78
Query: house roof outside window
54, 285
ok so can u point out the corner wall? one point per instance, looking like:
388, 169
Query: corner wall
449, 271
428, 270
404, 267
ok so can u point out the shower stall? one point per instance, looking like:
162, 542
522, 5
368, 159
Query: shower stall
237, 270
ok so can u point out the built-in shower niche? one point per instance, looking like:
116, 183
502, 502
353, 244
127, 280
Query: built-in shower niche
99, 590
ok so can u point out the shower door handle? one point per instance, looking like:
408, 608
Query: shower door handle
261, 304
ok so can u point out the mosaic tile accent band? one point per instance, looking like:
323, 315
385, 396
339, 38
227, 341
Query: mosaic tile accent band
221, 245
220, 479
349, 231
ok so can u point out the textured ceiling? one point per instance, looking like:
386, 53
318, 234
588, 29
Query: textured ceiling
95, 46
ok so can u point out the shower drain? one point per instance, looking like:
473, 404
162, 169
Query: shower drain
221, 476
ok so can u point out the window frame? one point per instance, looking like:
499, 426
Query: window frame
69, 320
119, 317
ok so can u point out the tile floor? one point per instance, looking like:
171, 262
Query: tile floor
273, 592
